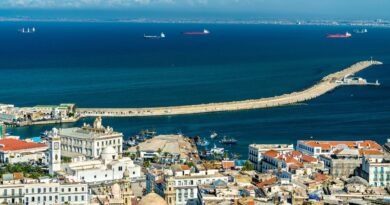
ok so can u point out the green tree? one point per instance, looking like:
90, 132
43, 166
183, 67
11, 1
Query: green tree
226, 155
146, 164
138, 151
248, 166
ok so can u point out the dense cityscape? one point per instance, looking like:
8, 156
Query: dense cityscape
194, 102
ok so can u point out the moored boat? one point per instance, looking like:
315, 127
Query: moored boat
228, 140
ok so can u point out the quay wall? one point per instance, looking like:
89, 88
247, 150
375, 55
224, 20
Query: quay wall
327, 84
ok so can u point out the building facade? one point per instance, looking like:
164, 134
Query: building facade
89, 140
34, 192
376, 170
256, 152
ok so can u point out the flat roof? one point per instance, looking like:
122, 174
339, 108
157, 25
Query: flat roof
84, 133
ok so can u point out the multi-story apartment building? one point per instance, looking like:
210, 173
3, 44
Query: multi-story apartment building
376, 170
44, 191
179, 184
256, 152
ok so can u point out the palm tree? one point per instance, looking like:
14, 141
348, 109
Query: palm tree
138, 152
225, 155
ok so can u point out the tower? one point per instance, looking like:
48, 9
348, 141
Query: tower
54, 152
127, 193
170, 192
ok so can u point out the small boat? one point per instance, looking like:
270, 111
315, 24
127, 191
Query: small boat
203, 142
213, 135
217, 150
227, 140
162, 35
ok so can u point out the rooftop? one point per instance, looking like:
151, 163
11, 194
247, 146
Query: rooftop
326, 145
174, 144
271, 146
10, 144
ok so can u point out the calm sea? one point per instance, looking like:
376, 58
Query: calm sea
111, 65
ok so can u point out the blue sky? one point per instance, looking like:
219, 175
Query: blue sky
356, 9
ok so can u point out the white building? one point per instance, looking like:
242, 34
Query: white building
89, 141
256, 152
317, 148
376, 170
108, 167
180, 184
37, 192
14, 150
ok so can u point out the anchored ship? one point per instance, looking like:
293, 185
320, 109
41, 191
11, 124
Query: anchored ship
360, 30
162, 35
204, 32
28, 30
346, 35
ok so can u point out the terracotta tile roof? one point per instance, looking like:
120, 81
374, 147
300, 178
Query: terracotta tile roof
227, 164
307, 158
371, 144
326, 145
364, 152
273, 180
318, 177
185, 167
15, 144
295, 153
271, 153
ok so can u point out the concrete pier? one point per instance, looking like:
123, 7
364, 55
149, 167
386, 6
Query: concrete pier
327, 84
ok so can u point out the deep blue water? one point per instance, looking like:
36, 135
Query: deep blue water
111, 65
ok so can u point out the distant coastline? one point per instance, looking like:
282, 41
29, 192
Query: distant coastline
359, 23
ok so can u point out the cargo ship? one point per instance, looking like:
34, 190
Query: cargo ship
162, 35
346, 35
204, 32
28, 30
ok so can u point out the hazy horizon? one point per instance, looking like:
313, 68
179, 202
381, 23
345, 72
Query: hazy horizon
229, 9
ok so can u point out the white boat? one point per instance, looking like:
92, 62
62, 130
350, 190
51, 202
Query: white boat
213, 135
217, 150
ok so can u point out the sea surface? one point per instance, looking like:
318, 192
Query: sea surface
112, 65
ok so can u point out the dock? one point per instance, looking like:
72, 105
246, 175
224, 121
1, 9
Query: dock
328, 83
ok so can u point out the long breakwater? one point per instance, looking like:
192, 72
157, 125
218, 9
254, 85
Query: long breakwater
327, 84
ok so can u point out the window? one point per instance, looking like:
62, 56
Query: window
120, 168
26, 191
62, 190
94, 176
44, 198
82, 198
75, 189
62, 199
39, 198
69, 189
44, 190
69, 198
50, 198
82, 188
75, 198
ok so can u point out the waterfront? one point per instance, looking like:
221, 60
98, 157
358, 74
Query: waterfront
234, 63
